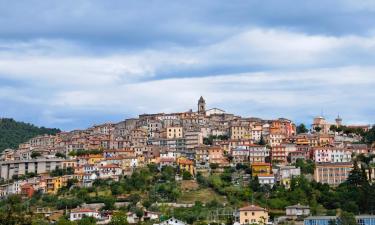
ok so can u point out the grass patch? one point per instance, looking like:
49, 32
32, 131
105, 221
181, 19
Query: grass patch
203, 195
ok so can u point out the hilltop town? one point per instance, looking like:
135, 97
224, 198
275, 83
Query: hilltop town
159, 168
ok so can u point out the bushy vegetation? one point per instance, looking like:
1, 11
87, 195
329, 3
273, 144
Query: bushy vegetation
306, 166
301, 129
209, 140
13, 133
81, 152
368, 137
148, 185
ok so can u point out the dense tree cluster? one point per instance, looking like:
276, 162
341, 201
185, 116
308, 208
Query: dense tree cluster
149, 185
209, 140
301, 129
13, 133
306, 166
81, 152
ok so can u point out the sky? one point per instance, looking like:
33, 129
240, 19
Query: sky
74, 63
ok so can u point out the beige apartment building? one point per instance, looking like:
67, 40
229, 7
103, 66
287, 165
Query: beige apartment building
174, 132
253, 214
240, 132
332, 174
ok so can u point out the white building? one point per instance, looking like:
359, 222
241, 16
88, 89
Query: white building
286, 172
266, 179
332, 155
297, 210
15, 187
214, 111
78, 214
172, 221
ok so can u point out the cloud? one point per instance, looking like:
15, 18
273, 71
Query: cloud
74, 66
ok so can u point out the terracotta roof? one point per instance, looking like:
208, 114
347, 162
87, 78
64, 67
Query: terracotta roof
82, 210
298, 206
167, 160
265, 175
185, 161
110, 166
260, 164
252, 208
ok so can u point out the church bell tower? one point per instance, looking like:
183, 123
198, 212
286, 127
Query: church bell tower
201, 106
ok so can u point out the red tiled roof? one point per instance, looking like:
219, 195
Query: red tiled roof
252, 208
260, 164
167, 160
82, 210
110, 166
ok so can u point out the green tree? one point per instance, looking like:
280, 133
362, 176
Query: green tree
63, 221
186, 175
60, 155
261, 141
14, 212
214, 166
366, 161
109, 203
139, 213
369, 136
301, 129
35, 155
318, 129
332, 222
307, 167
119, 218
255, 185
347, 218
357, 177
87, 221
13, 133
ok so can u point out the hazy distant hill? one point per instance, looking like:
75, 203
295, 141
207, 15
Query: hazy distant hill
13, 133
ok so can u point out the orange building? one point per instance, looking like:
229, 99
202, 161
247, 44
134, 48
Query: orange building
27, 190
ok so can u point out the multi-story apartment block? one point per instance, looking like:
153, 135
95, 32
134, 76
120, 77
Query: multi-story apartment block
328, 154
250, 153
275, 139
174, 132
240, 132
279, 154
256, 132
327, 220
332, 173
193, 138
22, 167
201, 156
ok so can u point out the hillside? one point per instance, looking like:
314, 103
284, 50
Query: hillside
13, 133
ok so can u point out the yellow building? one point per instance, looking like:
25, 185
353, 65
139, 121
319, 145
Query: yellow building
186, 164
174, 132
240, 132
325, 139
253, 214
55, 183
260, 168
93, 159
